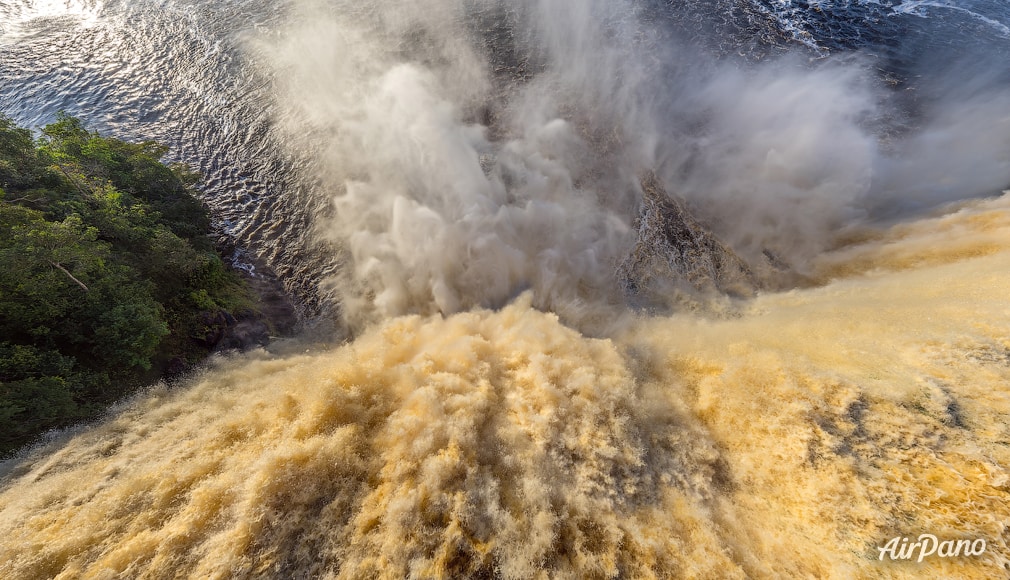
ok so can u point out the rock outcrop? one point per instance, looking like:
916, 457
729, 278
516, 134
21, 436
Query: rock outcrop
675, 253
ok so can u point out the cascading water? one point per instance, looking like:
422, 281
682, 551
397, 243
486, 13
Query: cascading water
480, 191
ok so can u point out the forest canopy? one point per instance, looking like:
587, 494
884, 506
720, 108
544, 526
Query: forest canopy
107, 274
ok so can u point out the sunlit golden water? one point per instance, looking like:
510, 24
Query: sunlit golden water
789, 439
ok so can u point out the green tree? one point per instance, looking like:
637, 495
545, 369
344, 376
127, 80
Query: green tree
106, 271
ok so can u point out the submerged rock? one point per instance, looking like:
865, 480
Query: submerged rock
675, 253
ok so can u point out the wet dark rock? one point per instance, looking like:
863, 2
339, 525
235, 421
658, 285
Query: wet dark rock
272, 315
175, 367
212, 328
249, 330
675, 253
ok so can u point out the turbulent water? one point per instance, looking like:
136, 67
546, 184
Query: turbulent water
459, 184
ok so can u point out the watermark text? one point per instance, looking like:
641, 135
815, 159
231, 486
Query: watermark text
926, 545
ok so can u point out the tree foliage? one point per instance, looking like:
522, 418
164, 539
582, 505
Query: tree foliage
106, 271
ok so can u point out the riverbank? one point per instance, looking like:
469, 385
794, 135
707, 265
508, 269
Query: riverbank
109, 278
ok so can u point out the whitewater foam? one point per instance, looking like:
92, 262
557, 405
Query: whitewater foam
502, 412
790, 441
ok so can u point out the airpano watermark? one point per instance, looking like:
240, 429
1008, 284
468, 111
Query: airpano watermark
928, 545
